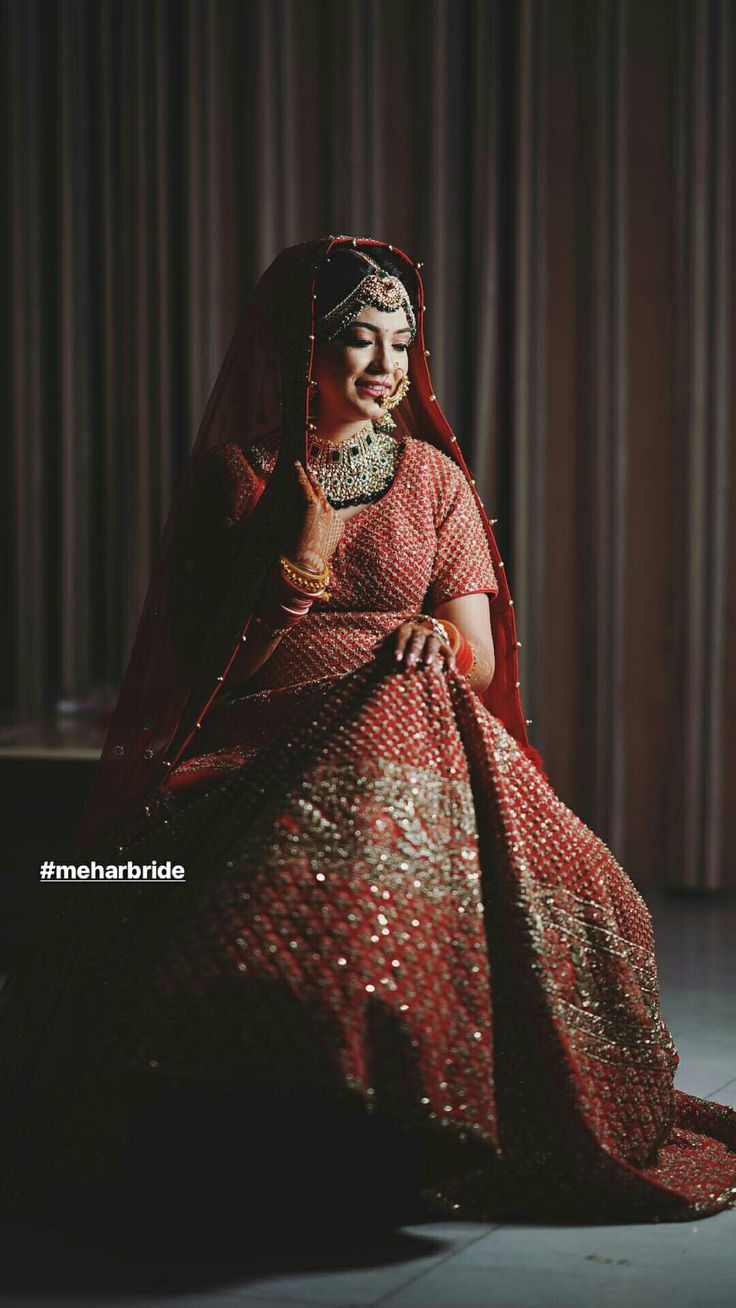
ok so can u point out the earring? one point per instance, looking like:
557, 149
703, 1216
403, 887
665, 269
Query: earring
385, 424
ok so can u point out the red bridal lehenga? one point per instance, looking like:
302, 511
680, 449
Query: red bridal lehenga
385, 901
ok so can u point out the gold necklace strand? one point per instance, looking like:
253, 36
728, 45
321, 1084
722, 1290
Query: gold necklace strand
356, 471
332, 473
324, 442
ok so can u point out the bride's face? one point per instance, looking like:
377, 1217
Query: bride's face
365, 361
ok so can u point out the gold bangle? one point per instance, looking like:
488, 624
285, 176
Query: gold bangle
306, 572
307, 583
300, 587
301, 577
470, 669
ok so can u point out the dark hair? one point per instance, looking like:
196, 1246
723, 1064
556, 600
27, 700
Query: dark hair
344, 269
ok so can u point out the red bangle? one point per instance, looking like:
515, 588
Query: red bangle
282, 604
453, 634
464, 656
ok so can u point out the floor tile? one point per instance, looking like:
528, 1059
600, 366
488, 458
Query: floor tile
377, 1272
675, 1264
700, 1076
725, 1095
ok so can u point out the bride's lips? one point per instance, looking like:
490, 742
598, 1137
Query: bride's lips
377, 392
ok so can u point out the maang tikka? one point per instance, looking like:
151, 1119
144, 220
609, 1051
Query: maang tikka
378, 288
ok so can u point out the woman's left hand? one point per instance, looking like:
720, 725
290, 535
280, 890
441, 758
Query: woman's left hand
418, 645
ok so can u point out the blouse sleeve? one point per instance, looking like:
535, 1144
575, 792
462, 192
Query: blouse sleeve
462, 563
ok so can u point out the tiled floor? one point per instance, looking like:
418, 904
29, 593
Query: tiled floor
454, 1265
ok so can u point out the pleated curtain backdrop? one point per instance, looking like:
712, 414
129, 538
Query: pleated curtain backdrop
565, 170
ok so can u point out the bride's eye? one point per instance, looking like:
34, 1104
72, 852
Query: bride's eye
357, 340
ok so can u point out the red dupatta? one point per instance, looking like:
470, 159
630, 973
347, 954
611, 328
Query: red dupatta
228, 523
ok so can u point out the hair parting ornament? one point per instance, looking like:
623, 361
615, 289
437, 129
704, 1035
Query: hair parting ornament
378, 288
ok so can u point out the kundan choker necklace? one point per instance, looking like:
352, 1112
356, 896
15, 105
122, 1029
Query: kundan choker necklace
358, 470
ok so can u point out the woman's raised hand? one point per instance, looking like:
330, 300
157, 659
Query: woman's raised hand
320, 528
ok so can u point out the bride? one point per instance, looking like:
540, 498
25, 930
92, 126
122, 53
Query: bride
395, 954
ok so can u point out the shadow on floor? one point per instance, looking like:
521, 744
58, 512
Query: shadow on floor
38, 1261
320, 1192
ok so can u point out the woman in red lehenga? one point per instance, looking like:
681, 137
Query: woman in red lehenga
388, 915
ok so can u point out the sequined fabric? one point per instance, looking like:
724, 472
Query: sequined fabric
385, 900
419, 544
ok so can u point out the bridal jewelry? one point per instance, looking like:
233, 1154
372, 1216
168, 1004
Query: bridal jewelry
437, 625
358, 470
387, 424
308, 583
390, 401
379, 288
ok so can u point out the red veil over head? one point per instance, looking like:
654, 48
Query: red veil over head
223, 535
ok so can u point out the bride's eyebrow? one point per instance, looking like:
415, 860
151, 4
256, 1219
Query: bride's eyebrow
370, 327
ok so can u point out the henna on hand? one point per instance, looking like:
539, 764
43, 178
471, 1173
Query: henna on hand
419, 646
